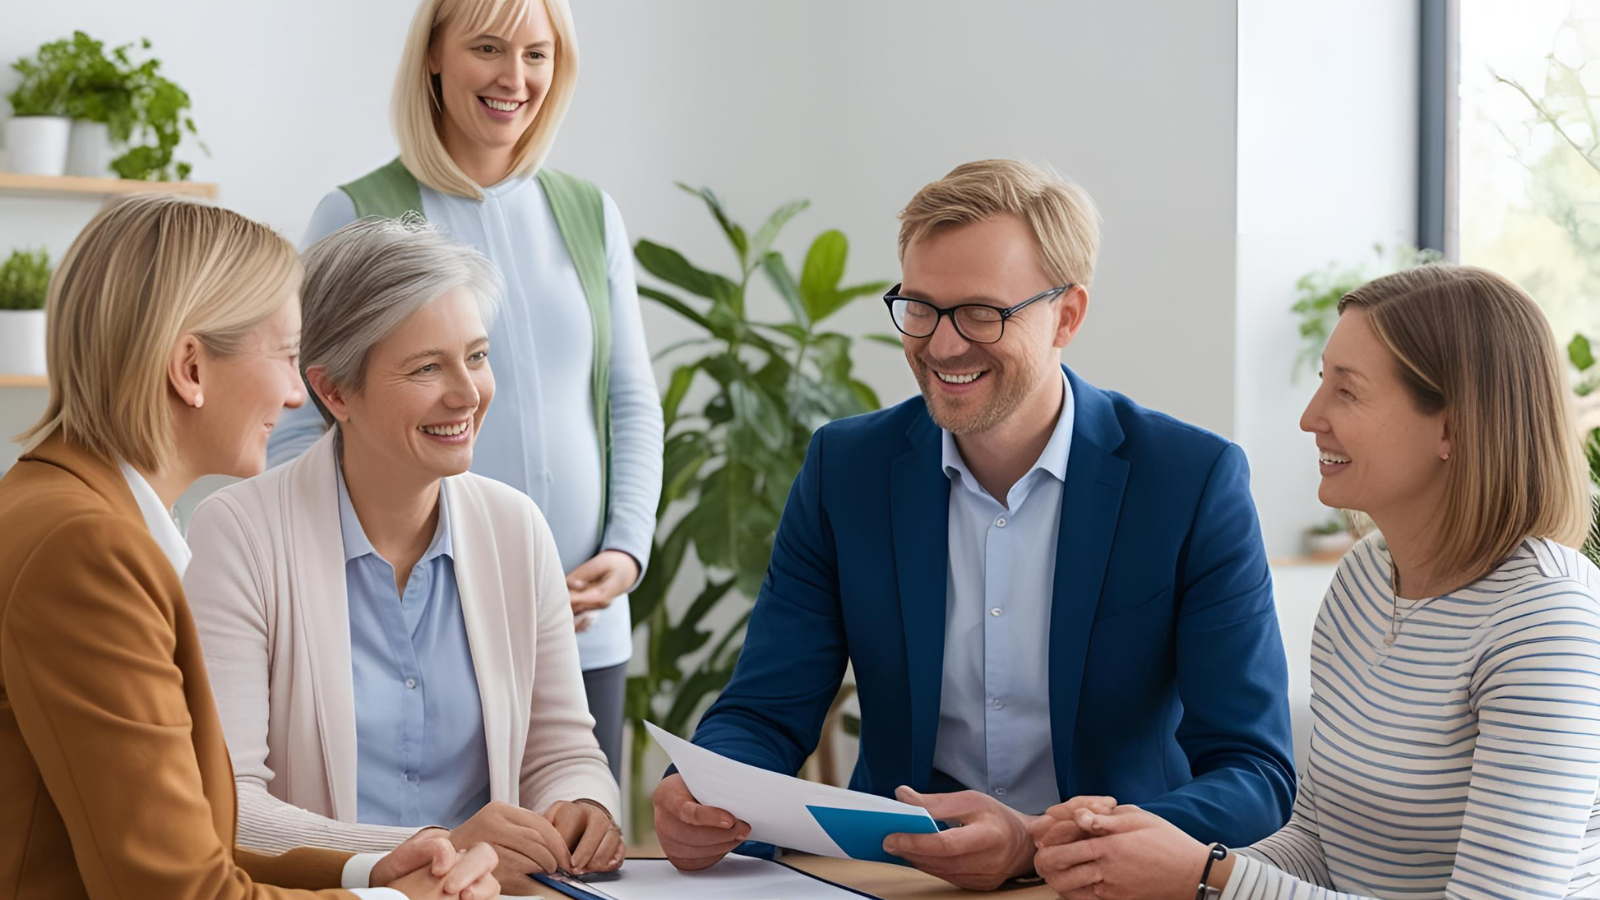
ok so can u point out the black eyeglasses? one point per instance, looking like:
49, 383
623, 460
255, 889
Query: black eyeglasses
977, 322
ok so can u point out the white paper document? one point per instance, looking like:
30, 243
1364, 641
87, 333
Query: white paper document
735, 878
789, 812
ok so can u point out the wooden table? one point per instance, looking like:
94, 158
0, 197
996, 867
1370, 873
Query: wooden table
888, 882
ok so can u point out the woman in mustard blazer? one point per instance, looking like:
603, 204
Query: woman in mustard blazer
172, 332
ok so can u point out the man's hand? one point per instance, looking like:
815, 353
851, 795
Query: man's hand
601, 580
523, 842
592, 838
693, 836
428, 867
1059, 824
991, 846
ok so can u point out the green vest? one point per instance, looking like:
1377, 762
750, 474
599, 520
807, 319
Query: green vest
392, 191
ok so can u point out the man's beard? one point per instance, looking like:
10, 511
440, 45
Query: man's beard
1007, 394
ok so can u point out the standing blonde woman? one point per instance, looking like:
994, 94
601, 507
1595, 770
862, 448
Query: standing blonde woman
481, 91
1455, 665
172, 334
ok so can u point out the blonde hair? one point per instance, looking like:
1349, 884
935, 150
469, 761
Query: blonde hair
1064, 220
1476, 347
144, 272
418, 110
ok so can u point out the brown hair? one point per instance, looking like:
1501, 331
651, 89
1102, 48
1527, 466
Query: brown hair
1473, 345
145, 271
1064, 220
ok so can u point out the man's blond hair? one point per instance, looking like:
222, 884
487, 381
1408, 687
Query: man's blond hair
1064, 220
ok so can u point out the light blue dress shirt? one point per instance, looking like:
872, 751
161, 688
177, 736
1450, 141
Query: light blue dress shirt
421, 755
994, 705
539, 436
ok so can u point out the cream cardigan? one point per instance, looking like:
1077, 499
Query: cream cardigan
267, 584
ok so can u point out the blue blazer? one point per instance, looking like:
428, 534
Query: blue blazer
1168, 682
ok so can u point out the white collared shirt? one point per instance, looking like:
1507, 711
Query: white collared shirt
994, 707
159, 519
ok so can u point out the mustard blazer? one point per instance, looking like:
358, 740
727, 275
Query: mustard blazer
114, 780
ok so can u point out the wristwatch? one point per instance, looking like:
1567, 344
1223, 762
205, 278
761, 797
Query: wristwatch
1206, 891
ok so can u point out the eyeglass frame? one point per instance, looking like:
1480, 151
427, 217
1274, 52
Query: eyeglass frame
942, 311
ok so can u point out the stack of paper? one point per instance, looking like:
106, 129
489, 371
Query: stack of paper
790, 812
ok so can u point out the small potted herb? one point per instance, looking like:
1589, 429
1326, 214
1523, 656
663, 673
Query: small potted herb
24, 284
1329, 540
37, 132
118, 108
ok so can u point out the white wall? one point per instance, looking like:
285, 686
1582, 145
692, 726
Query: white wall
852, 104
1327, 166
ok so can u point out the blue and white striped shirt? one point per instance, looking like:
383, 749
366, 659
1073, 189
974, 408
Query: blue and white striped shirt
1460, 761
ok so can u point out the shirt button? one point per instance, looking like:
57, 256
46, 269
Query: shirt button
997, 612
997, 704
1000, 522
999, 792
411, 684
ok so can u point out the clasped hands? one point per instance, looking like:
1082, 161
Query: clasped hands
507, 844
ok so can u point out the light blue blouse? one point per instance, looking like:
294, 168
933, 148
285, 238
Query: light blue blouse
539, 436
421, 755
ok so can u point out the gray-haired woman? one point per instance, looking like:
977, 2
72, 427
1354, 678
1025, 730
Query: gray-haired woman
389, 635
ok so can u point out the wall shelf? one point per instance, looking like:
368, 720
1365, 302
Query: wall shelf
23, 381
72, 185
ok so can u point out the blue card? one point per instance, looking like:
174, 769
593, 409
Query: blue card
860, 833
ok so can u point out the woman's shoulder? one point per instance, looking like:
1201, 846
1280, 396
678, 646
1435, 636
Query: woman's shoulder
333, 212
1541, 586
499, 501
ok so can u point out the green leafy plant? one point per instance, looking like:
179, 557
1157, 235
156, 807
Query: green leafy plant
1581, 353
46, 86
739, 410
1317, 296
1332, 525
25, 280
77, 77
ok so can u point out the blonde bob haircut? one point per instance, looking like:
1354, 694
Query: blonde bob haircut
143, 273
1475, 347
1064, 220
418, 110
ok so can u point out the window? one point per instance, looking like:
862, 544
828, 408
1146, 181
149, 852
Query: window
1528, 169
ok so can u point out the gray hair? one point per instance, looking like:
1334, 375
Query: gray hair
363, 280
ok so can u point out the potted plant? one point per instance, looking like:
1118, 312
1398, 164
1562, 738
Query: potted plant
113, 100
37, 132
24, 284
744, 397
1328, 540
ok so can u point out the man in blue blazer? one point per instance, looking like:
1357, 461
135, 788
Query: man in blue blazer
1047, 592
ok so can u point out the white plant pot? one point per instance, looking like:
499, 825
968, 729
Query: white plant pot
21, 342
1328, 547
89, 151
37, 145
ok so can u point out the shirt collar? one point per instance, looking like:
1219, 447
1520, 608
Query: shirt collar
356, 544
1052, 459
159, 519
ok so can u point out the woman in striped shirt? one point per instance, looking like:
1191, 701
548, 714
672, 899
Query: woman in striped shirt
1455, 665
